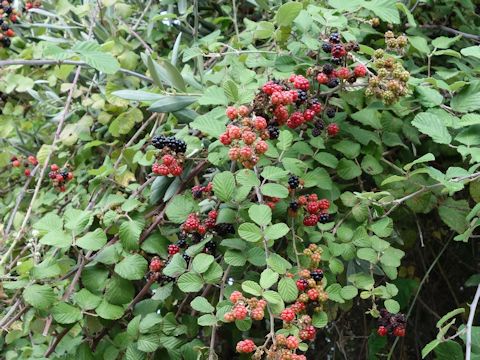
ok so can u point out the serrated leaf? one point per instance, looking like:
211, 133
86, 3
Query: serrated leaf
176, 266
274, 190
260, 214
39, 296
231, 90
348, 169
392, 306
92, 54
93, 240
201, 262
252, 288
224, 186
132, 267
348, 292
109, 311
276, 231
179, 208
149, 342
287, 289
433, 126
207, 320
201, 304
268, 278
190, 282
64, 313
320, 319
285, 140
250, 232
287, 13
272, 297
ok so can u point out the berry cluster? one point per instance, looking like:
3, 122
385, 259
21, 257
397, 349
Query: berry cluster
16, 162
243, 307
285, 348
246, 136
396, 44
315, 210
59, 177
33, 4
337, 49
391, 324
390, 83
199, 191
8, 16
171, 156
246, 346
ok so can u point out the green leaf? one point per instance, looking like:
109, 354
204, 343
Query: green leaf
202, 305
333, 292
92, 54
276, 231
392, 306
471, 51
285, 140
129, 233
278, 263
109, 311
429, 97
268, 278
348, 169
444, 42
64, 313
250, 232
231, 90
176, 266
93, 240
86, 300
287, 289
224, 186
448, 316
383, 227
235, 258
169, 73
384, 9
468, 99
125, 122
77, 220
49, 222
320, 319
149, 342
201, 262
213, 95
207, 320
433, 126
273, 173
119, 291
39, 296
371, 165
179, 208
429, 347
349, 292
137, 95
367, 254
260, 214
57, 238
132, 267
422, 159
406, 11
272, 297
454, 213
287, 13
274, 190
190, 282
252, 288
172, 103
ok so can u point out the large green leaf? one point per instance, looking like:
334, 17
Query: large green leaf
92, 54
132, 267
433, 126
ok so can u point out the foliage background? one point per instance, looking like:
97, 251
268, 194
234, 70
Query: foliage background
73, 263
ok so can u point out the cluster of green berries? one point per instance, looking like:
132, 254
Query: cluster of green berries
397, 44
16, 162
390, 83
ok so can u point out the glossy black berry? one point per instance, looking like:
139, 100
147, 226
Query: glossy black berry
316, 274
4, 27
302, 97
182, 243
273, 131
324, 218
327, 47
162, 279
186, 257
196, 238
293, 182
316, 132
64, 173
336, 61
171, 142
333, 83
331, 112
224, 229
293, 206
327, 69
334, 38
319, 125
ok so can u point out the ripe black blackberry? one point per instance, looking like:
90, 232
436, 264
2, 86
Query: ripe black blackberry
327, 47
316, 274
186, 257
273, 131
302, 97
336, 61
331, 112
171, 142
333, 83
4, 26
224, 229
196, 238
327, 69
293, 182
334, 38
210, 247
324, 218
182, 243
293, 206
64, 173
162, 279
316, 132
319, 125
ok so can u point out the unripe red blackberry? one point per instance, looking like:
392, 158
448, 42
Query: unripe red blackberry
288, 315
156, 264
302, 284
360, 70
382, 331
231, 112
310, 220
173, 249
240, 312
399, 331
54, 167
225, 139
292, 342
245, 346
333, 129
